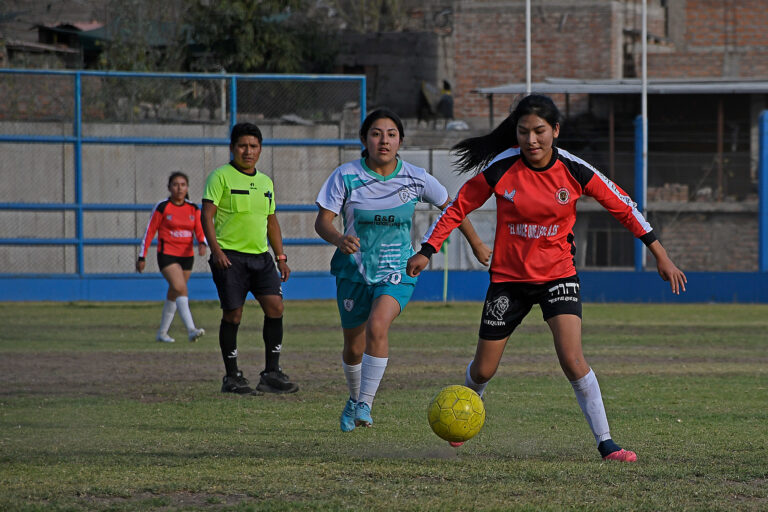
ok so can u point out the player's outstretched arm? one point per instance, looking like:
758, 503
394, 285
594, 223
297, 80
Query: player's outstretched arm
481, 251
667, 269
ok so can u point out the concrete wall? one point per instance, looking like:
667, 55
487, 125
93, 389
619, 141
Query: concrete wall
706, 236
395, 64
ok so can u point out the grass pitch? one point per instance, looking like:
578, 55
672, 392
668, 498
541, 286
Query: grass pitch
95, 415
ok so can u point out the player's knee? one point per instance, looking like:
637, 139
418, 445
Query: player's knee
179, 291
232, 316
274, 310
574, 367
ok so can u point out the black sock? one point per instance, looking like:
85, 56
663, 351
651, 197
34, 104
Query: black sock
607, 447
228, 344
273, 342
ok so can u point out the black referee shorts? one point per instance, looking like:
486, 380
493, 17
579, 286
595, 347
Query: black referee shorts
506, 304
255, 273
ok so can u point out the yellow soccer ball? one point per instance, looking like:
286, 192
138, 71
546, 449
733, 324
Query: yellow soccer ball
456, 414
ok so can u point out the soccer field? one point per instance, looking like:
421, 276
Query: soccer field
95, 415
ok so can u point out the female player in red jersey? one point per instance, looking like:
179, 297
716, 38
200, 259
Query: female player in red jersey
176, 220
536, 186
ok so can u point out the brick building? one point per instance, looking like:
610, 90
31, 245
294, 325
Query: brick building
594, 39
704, 144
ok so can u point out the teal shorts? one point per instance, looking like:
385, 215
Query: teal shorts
355, 299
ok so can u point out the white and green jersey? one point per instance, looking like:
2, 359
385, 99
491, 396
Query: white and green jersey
379, 211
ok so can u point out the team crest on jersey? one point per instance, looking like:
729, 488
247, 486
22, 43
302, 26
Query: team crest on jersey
510, 196
349, 304
563, 196
497, 307
394, 278
191, 217
404, 195
169, 217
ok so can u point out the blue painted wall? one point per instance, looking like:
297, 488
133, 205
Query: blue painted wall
607, 286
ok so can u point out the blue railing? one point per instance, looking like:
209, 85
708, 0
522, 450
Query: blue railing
77, 139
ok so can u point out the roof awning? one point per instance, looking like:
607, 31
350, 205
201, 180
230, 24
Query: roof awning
632, 86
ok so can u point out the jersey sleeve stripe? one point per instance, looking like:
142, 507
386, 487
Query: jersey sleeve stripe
149, 233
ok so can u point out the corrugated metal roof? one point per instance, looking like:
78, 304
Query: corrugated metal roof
40, 47
634, 86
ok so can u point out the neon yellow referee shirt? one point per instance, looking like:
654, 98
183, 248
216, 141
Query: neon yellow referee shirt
243, 203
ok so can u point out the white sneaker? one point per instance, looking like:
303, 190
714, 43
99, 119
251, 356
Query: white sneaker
161, 336
196, 334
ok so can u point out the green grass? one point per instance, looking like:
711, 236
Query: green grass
94, 415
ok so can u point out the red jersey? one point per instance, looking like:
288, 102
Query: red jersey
535, 214
175, 227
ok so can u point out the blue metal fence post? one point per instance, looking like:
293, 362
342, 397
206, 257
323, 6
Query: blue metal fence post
762, 172
639, 186
233, 102
78, 133
363, 99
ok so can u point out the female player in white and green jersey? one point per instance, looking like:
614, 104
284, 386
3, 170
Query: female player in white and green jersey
376, 196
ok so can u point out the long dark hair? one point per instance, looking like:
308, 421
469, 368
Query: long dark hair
178, 174
381, 113
475, 153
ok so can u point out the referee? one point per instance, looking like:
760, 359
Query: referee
240, 225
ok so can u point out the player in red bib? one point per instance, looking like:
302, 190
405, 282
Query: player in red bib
536, 186
176, 221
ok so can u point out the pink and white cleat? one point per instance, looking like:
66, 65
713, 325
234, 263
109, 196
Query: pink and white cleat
455, 444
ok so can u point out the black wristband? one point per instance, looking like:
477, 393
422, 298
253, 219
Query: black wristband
648, 238
427, 250
141, 258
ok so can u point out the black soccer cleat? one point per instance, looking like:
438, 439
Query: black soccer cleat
276, 382
236, 384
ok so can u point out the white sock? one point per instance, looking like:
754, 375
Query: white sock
591, 402
479, 388
352, 373
169, 310
370, 377
182, 304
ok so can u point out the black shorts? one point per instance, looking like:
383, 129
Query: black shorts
163, 260
506, 304
255, 273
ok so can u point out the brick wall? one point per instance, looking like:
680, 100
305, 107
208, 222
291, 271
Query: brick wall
584, 39
715, 39
572, 41
694, 240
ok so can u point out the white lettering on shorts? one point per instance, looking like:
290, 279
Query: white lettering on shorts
564, 292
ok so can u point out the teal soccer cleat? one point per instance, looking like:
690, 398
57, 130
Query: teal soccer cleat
363, 415
347, 419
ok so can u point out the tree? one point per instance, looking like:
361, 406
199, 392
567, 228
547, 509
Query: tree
371, 15
247, 36
142, 35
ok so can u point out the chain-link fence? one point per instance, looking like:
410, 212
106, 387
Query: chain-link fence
87, 154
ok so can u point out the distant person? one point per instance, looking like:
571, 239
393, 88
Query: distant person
176, 221
536, 186
434, 103
240, 225
376, 196
444, 106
